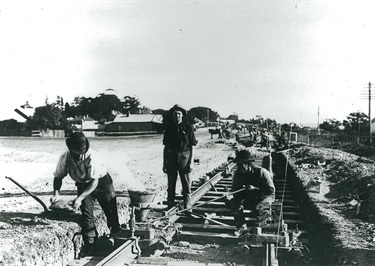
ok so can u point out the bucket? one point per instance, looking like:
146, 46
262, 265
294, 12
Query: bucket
141, 200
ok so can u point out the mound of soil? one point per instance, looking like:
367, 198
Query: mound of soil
346, 199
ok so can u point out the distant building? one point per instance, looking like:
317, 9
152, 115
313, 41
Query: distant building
12, 127
135, 124
85, 123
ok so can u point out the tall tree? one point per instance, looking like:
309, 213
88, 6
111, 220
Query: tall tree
204, 114
48, 117
130, 105
233, 116
159, 111
356, 123
104, 107
330, 125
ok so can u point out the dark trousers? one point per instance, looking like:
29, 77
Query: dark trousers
106, 197
178, 164
237, 205
249, 200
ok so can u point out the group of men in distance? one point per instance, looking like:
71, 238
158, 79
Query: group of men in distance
252, 186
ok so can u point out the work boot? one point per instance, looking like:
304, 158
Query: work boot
115, 231
89, 243
88, 250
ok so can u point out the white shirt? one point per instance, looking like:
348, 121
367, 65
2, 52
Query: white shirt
88, 167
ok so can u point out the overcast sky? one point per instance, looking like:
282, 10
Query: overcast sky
278, 59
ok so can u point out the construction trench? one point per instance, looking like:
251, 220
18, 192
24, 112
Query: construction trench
289, 232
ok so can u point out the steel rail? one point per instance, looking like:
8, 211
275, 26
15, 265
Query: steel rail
197, 194
220, 230
123, 255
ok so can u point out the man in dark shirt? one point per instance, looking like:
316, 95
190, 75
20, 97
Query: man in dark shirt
178, 141
260, 188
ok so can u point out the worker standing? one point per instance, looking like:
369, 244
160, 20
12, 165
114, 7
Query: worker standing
179, 139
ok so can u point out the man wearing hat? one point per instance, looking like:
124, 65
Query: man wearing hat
260, 189
93, 181
178, 141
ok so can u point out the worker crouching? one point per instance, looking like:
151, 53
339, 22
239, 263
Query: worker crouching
255, 186
93, 182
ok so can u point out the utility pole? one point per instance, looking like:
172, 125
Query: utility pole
367, 95
369, 110
318, 122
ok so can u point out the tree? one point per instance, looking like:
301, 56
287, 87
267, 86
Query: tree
130, 105
357, 122
104, 107
330, 125
59, 103
271, 123
101, 108
159, 111
233, 116
204, 113
48, 117
258, 120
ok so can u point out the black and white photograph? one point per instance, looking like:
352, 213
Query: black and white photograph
173, 132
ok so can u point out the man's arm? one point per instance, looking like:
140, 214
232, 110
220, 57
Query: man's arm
59, 174
57, 183
269, 190
193, 141
165, 159
92, 186
191, 159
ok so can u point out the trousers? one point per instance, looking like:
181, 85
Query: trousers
105, 195
249, 201
178, 163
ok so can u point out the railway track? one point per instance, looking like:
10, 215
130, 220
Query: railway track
211, 222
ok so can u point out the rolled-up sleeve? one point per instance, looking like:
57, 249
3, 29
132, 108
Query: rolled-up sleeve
98, 164
62, 168
192, 140
269, 187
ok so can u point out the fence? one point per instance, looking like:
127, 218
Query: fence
51, 133
325, 139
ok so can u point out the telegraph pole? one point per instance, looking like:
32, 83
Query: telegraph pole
369, 110
367, 95
318, 122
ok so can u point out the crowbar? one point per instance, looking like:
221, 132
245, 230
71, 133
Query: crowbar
28, 192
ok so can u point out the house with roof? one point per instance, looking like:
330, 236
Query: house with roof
135, 124
86, 124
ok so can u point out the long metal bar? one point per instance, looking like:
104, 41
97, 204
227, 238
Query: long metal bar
202, 190
28, 192
270, 256
123, 255
211, 220
198, 194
